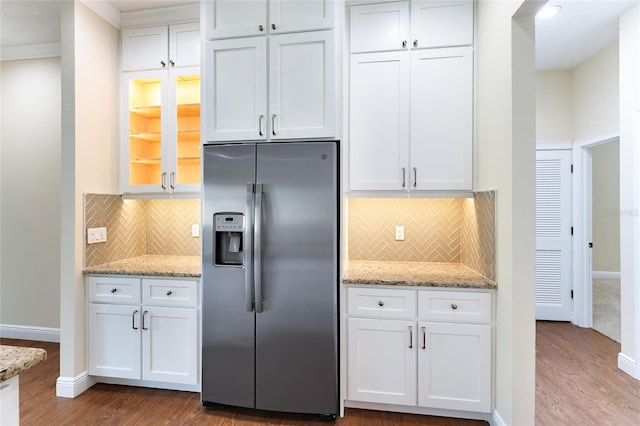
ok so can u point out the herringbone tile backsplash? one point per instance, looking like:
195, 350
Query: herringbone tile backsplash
431, 229
140, 227
449, 230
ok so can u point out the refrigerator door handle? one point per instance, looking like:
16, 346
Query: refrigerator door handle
248, 246
257, 249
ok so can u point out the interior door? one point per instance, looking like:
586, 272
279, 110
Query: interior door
553, 235
296, 303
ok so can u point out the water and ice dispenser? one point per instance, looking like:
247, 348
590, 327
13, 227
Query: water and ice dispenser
229, 229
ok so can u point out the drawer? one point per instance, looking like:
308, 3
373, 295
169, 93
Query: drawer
106, 289
454, 306
170, 292
381, 302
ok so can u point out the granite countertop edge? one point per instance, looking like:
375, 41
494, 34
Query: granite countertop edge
414, 274
151, 266
17, 359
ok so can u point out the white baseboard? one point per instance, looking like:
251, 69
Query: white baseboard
25, 332
605, 275
627, 365
70, 387
495, 419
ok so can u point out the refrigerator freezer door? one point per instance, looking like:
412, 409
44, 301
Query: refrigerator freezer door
228, 325
296, 332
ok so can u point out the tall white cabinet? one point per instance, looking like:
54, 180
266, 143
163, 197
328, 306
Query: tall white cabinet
411, 96
270, 80
145, 330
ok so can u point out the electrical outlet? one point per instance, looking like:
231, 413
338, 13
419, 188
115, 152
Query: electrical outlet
399, 233
195, 230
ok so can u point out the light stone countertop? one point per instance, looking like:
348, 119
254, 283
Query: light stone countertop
16, 359
421, 274
163, 266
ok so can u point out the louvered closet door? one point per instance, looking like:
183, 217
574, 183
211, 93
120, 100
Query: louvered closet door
553, 235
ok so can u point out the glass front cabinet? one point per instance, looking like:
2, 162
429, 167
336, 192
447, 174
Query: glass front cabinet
161, 124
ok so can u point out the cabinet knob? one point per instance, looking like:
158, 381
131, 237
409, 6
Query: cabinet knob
273, 26
404, 44
113, 290
169, 293
163, 63
415, 43
454, 306
380, 303
260, 27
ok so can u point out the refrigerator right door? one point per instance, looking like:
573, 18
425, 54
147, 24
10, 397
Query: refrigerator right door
297, 250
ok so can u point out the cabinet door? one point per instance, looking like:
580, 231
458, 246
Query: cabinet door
379, 121
184, 110
379, 27
438, 23
454, 366
300, 15
302, 89
442, 119
382, 361
144, 49
114, 340
145, 132
184, 45
233, 18
170, 345
236, 89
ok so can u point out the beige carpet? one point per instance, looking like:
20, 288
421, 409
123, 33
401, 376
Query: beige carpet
606, 307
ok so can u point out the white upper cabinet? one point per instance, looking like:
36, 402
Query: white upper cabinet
379, 27
234, 18
441, 119
236, 88
418, 24
438, 23
161, 47
379, 121
301, 87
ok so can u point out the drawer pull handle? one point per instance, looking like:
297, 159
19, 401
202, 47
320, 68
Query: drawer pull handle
380, 303
454, 306
133, 320
169, 293
424, 337
144, 314
113, 290
410, 337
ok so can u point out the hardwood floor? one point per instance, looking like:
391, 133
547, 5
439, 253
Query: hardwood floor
577, 383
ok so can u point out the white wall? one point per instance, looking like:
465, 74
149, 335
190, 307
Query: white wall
596, 94
630, 190
91, 104
606, 207
505, 161
30, 193
554, 106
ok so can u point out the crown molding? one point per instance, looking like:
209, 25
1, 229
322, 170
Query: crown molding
30, 51
160, 16
105, 10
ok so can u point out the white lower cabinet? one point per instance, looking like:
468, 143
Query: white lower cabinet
151, 335
411, 360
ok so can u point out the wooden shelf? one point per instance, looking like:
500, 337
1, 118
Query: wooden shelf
189, 160
188, 110
147, 136
145, 160
147, 112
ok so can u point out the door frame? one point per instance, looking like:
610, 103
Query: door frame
582, 222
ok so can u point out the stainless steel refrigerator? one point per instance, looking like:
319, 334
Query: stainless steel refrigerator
270, 276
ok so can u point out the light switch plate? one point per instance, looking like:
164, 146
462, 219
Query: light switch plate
96, 235
399, 233
195, 230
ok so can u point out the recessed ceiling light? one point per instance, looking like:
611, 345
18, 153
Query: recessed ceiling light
548, 12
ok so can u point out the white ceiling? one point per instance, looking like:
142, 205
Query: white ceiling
583, 28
